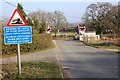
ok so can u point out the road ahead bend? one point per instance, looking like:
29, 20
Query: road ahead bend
81, 61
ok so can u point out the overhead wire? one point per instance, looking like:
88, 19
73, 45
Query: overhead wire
13, 5
30, 11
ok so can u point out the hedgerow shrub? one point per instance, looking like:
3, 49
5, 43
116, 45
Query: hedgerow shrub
39, 42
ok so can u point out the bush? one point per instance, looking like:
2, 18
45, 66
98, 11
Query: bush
39, 42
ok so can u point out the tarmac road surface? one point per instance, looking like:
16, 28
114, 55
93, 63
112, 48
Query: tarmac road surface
81, 61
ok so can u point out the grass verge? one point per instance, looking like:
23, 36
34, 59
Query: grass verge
104, 46
40, 69
62, 38
110, 47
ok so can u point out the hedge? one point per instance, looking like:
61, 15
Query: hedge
39, 42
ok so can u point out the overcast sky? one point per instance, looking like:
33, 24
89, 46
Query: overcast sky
73, 9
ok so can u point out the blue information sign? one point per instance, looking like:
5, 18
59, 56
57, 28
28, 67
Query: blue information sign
17, 35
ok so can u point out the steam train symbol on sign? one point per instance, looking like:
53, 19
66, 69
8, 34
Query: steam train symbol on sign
17, 21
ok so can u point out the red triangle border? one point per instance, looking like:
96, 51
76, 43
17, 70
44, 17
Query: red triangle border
8, 24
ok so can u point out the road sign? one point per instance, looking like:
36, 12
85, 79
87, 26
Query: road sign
48, 29
16, 19
81, 29
17, 35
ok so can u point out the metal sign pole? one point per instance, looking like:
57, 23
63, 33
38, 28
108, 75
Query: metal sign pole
19, 62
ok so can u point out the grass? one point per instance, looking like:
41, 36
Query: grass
40, 69
61, 38
101, 45
64, 32
110, 47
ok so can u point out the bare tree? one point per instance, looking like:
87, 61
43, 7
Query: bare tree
54, 19
103, 17
58, 20
111, 20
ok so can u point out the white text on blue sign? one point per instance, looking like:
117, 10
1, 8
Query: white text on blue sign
17, 35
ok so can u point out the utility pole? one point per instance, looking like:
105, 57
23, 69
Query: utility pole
56, 25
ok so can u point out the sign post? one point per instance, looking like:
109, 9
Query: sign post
19, 61
18, 33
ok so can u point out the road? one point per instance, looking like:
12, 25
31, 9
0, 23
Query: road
77, 60
81, 61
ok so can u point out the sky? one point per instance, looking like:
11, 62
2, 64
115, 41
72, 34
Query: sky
73, 9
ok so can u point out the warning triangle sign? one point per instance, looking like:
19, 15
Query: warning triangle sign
16, 19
